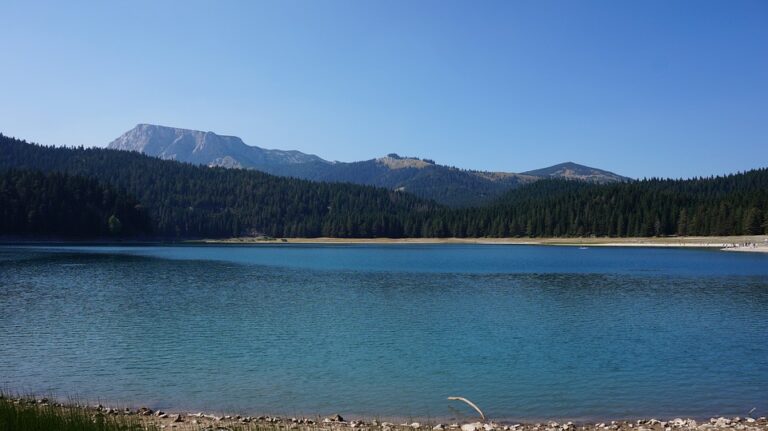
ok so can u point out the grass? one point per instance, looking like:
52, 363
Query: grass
29, 415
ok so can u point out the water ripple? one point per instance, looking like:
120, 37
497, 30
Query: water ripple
625, 333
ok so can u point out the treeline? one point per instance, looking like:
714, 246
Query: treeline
729, 205
60, 205
185, 201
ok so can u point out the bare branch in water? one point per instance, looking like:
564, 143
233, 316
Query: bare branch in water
471, 404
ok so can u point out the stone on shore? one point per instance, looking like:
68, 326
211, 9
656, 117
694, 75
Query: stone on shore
335, 418
475, 426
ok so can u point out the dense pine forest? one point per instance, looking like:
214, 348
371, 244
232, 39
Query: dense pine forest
186, 201
60, 205
730, 205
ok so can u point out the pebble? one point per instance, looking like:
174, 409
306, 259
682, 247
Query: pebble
722, 422
337, 422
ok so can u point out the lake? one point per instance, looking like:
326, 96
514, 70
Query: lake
526, 332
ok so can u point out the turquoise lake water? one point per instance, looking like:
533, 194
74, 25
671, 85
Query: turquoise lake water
526, 332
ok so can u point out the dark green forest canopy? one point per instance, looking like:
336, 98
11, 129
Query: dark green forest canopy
193, 201
729, 205
185, 201
61, 205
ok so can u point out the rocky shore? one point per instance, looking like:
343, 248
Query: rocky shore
183, 421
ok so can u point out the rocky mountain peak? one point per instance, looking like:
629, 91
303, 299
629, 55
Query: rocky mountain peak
206, 148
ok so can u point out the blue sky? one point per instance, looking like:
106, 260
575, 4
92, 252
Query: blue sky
645, 88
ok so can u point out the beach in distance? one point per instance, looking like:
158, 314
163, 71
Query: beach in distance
749, 243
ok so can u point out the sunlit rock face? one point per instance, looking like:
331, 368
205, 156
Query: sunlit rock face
446, 185
204, 148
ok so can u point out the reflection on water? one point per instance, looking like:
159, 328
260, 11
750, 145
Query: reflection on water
525, 332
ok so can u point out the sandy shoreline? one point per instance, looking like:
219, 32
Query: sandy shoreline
746, 243
753, 243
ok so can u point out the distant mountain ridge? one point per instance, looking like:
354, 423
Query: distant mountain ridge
574, 171
422, 177
203, 148
189, 201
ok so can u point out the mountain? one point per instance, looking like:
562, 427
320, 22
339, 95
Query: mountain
574, 171
204, 148
187, 201
423, 177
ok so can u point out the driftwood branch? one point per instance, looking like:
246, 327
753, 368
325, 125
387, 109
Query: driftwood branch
471, 404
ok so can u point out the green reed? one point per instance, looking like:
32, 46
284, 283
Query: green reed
28, 415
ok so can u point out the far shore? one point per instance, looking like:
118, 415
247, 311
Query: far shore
747, 243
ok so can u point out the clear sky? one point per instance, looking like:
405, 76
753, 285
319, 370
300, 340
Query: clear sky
642, 88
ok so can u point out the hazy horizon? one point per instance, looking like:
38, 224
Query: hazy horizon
655, 89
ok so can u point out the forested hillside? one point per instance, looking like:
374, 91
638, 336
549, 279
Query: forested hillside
185, 201
59, 205
730, 205
446, 185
